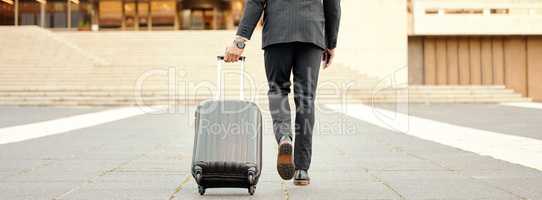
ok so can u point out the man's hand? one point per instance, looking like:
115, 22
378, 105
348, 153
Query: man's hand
233, 52
329, 55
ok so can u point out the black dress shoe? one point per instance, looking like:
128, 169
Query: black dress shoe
285, 158
301, 178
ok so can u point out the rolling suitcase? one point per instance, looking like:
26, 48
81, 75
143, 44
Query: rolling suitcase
228, 141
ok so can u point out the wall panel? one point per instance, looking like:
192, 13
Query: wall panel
429, 57
464, 61
534, 62
498, 61
487, 61
441, 61
515, 64
415, 61
452, 61
475, 61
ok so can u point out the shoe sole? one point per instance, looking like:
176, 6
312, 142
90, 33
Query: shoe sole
302, 182
285, 164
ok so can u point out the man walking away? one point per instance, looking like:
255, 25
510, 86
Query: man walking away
297, 36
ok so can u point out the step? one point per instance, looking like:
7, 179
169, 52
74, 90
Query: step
259, 97
195, 102
181, 91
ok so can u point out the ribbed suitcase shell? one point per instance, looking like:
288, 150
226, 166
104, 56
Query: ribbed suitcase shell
227, 144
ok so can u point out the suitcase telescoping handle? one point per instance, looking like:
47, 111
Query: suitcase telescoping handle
220, 77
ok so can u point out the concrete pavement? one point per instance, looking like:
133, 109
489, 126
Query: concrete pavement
148, 157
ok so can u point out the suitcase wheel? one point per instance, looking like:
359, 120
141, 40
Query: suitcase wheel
201, 190
252, 190
251, 179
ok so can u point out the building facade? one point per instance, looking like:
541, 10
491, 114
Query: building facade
408, 42
483, 42
123, 14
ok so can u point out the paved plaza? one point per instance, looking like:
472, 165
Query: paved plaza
148, 157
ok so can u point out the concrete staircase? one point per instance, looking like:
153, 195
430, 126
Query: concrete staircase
116, 96
164, 68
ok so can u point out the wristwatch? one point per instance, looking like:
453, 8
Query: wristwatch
239, 43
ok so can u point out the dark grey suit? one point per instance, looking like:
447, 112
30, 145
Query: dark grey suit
311, 21
295, 34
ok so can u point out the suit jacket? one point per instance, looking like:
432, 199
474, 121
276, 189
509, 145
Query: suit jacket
311, 21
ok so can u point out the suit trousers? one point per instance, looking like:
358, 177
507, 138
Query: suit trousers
303, 60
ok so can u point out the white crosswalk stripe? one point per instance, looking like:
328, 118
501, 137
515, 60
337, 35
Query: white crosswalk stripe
58, 126
515, 149
525, 105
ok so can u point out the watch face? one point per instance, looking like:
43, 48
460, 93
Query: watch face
240, 45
